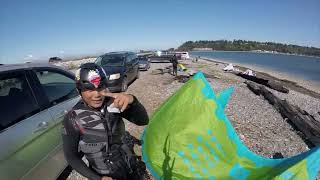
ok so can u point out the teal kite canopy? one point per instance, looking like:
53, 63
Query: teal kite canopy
190, 137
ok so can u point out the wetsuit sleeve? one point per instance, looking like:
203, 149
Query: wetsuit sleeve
70, 138
136, 113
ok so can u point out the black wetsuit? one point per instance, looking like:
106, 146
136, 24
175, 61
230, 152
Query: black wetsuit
98, 135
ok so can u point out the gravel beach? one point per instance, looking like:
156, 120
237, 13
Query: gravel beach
258, 124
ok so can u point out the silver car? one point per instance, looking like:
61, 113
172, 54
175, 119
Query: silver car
33, 101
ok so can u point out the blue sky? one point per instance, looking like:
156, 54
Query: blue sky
38, 29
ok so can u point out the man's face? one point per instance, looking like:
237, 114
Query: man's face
93, 98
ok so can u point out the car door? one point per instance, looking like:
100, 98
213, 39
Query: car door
60, 89
26, 131
61, 95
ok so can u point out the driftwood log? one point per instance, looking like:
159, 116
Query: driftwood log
210, 76
269, 83
182, 78
300, 119
161, 71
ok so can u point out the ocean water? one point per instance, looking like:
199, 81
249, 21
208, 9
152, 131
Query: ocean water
304, 67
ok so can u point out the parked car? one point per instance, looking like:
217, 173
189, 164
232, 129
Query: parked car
33, 101
121, 67
162, 58
182, 55
54, 59
144, 63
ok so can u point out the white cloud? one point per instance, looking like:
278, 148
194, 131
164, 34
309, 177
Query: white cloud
30, 56
61, 52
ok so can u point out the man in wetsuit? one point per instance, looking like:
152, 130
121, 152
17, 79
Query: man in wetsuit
94, 128
174, 62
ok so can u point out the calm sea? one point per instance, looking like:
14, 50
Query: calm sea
301, 66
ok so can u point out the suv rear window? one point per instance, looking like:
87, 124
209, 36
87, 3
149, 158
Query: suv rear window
16, 99
112, 60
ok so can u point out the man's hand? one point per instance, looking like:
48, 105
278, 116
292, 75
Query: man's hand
121, 100
106, 178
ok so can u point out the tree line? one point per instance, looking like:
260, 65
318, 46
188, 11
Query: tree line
243, 45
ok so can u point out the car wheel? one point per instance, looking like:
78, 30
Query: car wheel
124, 86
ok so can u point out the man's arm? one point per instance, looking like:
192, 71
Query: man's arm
70, 138
131, 108
136, 113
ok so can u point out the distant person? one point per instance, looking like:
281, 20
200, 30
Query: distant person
94, 128
174, 62
195, 59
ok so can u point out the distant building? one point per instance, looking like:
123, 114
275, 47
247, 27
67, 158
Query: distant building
202, 49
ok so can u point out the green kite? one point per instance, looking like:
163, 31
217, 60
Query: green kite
190, 137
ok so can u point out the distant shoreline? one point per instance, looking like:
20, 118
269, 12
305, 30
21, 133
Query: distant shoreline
262, 52
248, 45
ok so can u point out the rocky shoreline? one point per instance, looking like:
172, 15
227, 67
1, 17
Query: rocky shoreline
261, 128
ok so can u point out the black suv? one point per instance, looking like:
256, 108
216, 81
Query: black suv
122, 68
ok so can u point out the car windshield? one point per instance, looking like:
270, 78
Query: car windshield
112, 61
